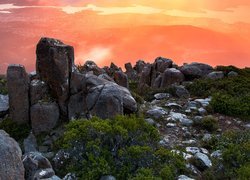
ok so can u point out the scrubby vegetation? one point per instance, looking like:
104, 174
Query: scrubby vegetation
125, 147
3, 85
231, 95
16, 131
234, 164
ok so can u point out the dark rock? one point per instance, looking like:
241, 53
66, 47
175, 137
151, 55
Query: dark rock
4, 105
139, 66
157, 82
30, 144
33, 163
161, 64
18, 89
108, 178
38, 91
54, 66
145, 78
91, 66
77, 82
216, 75
106, 77
232, 74
131, 73
121, 78
196, 70
77, 106
11, 166
171, 76
44, 117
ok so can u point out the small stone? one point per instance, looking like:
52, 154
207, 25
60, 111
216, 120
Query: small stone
150, 121
247, 126
160, 96
171, 125
109, 177
184, 177
203, 161
157, 112
206, 137
193, 150
216, 154
186, 122
205, 151
173, 105
202, 111
232, 74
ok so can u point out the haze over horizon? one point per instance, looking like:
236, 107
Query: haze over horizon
209, 31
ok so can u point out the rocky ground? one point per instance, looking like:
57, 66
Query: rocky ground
43, 102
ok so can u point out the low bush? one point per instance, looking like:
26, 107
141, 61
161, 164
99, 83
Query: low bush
210, 123
16, 131
3, 86
125, 147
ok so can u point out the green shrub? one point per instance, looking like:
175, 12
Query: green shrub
210, 123
235, 147
3, 86
16, 131
126, 147
230, 96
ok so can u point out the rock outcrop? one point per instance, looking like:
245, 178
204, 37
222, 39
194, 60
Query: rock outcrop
54, 66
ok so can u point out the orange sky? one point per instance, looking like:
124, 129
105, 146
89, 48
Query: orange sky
207, 31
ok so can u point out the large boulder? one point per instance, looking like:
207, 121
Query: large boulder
171, 76
215, 75
77, 107
196, 70
11, 165
4, 105
44, 117
18, 89
109, 100
54, 66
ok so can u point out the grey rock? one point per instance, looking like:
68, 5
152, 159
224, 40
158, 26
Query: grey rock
181, 92
170, 125
11, 166
33, 163
150, 121
207, 137
121, 78
145, 78
171, 76
44, 173
54, 66
108, 178
184, 177
91, 66
18, 89
139, 66
204, 102
160, 96
30, 144
131, 73
202, 111
161, 64
106, 77
44, 117
193, 150
173, 105
215, 75
157, 112
203, 162
53, 178
186, 122
216, 154
109, 100
232, 74
4, 105
70, 176
38, 90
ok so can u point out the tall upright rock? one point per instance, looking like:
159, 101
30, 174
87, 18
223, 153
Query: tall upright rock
54, 66
18, 88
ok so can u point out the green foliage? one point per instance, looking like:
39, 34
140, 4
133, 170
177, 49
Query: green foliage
16, 131
3, 86
235, 146
230, 95
126, 147
210, 123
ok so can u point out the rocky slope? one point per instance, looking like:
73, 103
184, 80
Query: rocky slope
59, 92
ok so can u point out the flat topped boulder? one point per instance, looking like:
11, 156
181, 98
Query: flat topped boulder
54, 66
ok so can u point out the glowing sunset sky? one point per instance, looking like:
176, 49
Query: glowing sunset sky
210, 31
